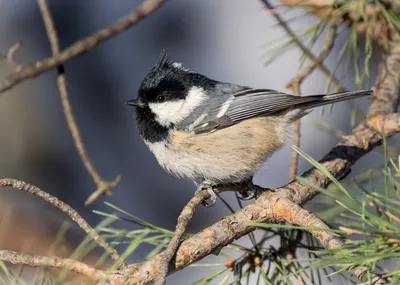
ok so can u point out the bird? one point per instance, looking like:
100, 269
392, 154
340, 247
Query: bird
213, 132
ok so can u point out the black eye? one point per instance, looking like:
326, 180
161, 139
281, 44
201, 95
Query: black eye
160, 98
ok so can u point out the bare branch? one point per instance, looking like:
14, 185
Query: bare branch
325, 70
313, 3
49, 261
10, 58
307, 52
82, 46
330, 40
294, 162
30, 189
388, 83
295, 83
183, 221
103, 187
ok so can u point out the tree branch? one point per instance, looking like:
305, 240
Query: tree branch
82, 46
103, 187
325, 70
30, 189
10, 57
295, 83
49, 261
183, 221
294, 214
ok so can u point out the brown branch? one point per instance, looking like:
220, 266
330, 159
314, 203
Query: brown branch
103, 187
49, 261
307, 52
294, 214
10, 57
294, 162
30, 189
310, 3
378, 28
295, 83
388, 83
330, 40
325, 70
82, 46
183, 221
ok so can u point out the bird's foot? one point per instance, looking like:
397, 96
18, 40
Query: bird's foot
251, 192
207, 185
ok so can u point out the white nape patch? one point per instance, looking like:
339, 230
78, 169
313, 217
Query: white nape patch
177, 64
224, 108
173, 112
197, 121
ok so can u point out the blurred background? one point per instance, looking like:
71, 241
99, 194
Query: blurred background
223, 39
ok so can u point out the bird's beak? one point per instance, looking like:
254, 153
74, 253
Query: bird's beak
135, 103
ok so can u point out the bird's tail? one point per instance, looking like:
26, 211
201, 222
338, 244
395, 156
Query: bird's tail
303, 109
335, 97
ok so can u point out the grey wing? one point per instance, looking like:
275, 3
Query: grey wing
247, 104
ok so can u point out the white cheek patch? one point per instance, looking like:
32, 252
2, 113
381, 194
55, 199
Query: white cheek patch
167, 112
173, 112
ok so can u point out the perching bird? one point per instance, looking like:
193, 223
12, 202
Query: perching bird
214, 132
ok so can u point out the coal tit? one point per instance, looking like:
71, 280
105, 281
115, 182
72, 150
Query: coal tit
213, 132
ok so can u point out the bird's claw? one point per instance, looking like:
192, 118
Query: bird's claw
249, 193
246, 195
208, 186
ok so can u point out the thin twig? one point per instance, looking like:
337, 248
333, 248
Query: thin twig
183, 221
329, 43
10, 58
294, 162
325, 70
307, 52
295, 84
103, 187
82, 46
30, 189
50, 261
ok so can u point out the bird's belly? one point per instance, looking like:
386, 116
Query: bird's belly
228, 155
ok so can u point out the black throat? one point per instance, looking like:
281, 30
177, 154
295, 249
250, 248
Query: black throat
148, 127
